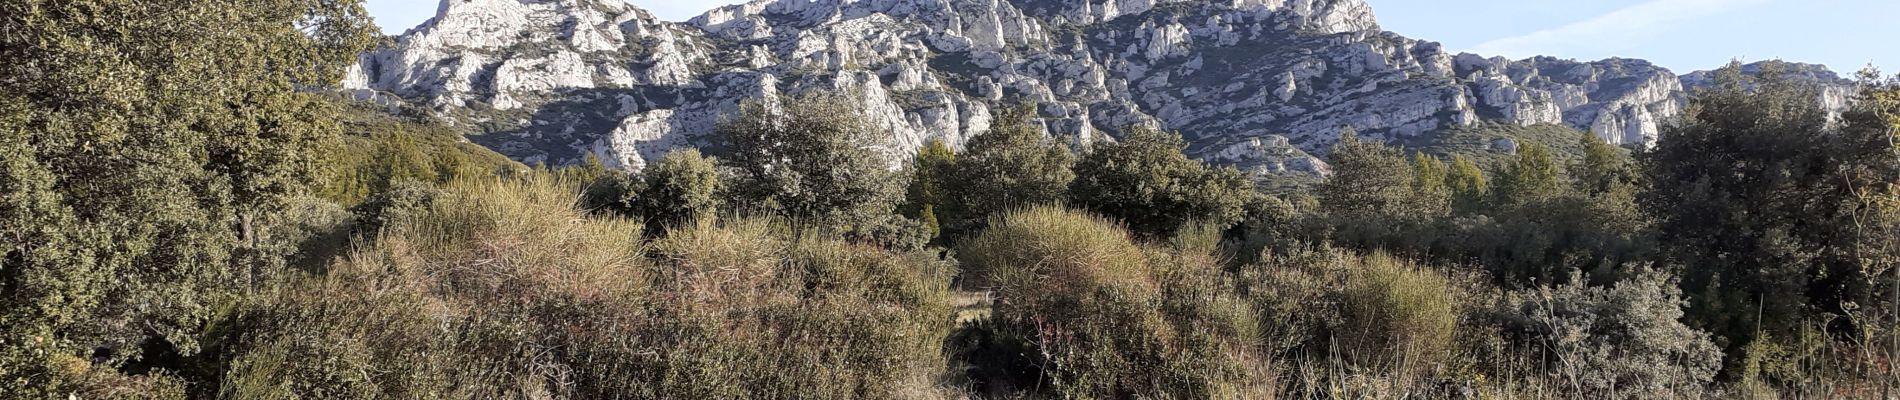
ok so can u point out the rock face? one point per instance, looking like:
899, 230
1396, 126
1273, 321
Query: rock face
1834, 93
1260, 83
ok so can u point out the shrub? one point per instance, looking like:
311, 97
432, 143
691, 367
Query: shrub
1094, 307
1375, 311
1148, 182
612, 193
403, 200
1397, 314
507, 290
812, 160
682, 187
1013, 165
1623, 341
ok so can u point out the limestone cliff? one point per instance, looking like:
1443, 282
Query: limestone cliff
551, 80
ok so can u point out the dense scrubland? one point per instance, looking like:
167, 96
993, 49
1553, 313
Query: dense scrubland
182, 215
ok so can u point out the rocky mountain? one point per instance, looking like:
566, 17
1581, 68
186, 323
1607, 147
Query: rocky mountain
1835, 92
1258, 83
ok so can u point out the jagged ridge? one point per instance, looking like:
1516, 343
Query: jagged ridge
548, 81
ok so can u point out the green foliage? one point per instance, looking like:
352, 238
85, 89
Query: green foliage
1104, 316
185, 215
507, 290
403, 200
1370, 178
1532, 178
1376, 196
613, 193
930, 175
810, 160
1622, 341
1013, 165
1493, 145
1431, 186
1759, 200
681, 188
1147, 182
1395, 314
1469, 187
1374, 311
378, 150
140, 152
1604, 168
591, 169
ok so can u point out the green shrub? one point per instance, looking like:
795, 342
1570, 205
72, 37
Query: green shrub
504, 289
1397, 314
683, 187
403, 200
1108, 318
1623, 341
1146, 181
1373, 311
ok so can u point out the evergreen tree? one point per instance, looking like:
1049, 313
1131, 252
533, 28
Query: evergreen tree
1757, 198
1533, 177
1368, 179
1604, 168
138, 152
931, 173
1013, 165
1370, 199
1431, 190
811, 160
1469, 187
1148, 183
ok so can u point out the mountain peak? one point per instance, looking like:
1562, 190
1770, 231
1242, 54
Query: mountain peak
551, 81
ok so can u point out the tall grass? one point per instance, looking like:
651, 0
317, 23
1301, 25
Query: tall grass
506, 289
1109, 318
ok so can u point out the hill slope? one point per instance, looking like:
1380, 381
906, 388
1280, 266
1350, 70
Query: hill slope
553, 81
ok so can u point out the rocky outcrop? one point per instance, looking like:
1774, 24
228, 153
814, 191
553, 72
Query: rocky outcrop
1834, 93
1243, 80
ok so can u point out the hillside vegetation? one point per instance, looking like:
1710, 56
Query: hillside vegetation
159, 240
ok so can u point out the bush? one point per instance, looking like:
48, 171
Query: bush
1108, 318
1147, 182
403, 200
1623, 341
1013, 165
1397, 314
507, 290
753, 314
681, 188
812, 160
1374, 311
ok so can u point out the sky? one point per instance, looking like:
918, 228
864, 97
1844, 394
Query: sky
1683, 35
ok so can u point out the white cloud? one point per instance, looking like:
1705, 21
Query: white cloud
1616, 29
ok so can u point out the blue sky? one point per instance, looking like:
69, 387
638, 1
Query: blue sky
1684, 35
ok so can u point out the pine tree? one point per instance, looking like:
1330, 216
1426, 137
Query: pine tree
1469, 187
1431, 190
931, 172
1533, 177
1604, 168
